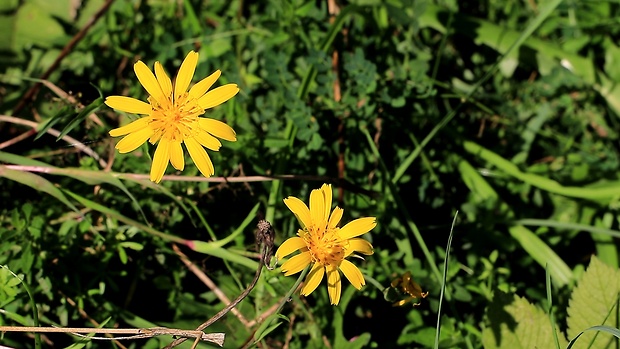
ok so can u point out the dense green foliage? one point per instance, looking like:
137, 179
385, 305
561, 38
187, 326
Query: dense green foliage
412, 109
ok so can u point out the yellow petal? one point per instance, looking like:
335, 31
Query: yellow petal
204, 85
128, 105
133, 140
163, 79
207, 140
186, 73
327, 192
289, 246
359, 245
176, 156
218, 129
335, 217
300, 210
133, 126
357, 227
148, 81
317, 207
296, 263
314, 279
218, 96
200, 157
333, 284
160, 160
353, 274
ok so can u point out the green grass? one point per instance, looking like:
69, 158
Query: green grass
506, 112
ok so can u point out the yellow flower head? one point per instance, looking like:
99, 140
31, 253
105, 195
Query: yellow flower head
324, 245
171, 117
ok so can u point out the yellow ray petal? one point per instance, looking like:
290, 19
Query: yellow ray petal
218, 129
289, 246
186, 73
160, 160
218, 96
357, 227
207, 140
128, 105
335, 217
200, 157
176, 156
317, 207
163, 79
204, 85
353, 274
327, 192
333, 284
300, 210
359, 245
148, 81
133, 140
314, 279
133, 126
296, 263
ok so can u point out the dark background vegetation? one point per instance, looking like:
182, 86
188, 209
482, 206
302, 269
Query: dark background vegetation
397, 103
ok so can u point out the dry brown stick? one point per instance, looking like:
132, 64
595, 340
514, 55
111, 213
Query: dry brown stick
65, 51
74, 142
265, 240
334, 10
210, 284
90, 319
134, 333
18, 138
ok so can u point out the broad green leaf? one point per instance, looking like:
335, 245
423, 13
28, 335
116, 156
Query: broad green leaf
594, 302
30, 19
514, 323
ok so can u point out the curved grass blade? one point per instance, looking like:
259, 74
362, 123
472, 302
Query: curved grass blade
81, 116
612, 331
443, 281
210, 248
36, 182
529, 241
600, 192
33, 305
413, 228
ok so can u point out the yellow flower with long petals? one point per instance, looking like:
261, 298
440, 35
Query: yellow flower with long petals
324, 245
171, 117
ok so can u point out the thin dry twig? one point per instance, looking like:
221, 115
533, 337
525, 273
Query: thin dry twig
264, 238
132, 176
210, 284
134, 333
65, 51
91, 320
74, 142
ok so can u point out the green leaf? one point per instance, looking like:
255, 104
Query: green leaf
266, 327
81, 116
594, 303
36, 182
514, 323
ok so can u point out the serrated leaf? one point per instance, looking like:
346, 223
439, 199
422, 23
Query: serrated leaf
593, 302
514, 323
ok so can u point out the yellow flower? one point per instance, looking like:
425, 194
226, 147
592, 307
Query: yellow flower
172, 117
324, 245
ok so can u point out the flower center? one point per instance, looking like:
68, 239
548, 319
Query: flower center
175, 120
325, 245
